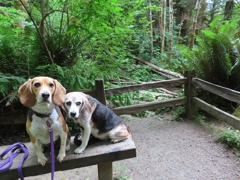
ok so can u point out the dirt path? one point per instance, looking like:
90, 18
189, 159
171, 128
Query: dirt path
167, 150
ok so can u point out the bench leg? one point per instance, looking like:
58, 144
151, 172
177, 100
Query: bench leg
105, 171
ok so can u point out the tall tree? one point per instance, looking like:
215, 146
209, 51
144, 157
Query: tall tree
170, 27
160, 19
163, 25
228, 9
151, 30
18, 5
195, 18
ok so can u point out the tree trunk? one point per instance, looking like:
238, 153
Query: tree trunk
151, 31
212, 12
18, 5
41, 29
170, 27
228, 9
164, 26
195, 17
160, 19
179, 32
41, 35
174, 74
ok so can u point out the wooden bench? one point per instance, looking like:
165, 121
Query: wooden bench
102, 153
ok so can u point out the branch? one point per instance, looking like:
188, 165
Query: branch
40, 35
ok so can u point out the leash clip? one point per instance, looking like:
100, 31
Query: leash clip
49, 124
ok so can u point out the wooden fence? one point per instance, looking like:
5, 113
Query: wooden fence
190, 100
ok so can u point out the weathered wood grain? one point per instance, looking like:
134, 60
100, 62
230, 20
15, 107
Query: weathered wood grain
218, 90
218, 113
190, 91
99, 153
149, 106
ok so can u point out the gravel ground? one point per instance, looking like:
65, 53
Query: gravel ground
167, 150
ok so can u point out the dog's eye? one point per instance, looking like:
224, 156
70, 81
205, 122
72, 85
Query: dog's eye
51, 85
78, 103
37, 85
68, 103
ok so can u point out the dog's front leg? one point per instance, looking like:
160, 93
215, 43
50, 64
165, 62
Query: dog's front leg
39, 152
85, 138
62, 151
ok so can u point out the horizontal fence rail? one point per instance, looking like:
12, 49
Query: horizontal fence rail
218, 113
226, 93
149, 106
151, 85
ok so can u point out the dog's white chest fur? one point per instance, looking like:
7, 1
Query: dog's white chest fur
40, 130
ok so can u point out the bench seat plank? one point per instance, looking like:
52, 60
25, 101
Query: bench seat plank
101, 152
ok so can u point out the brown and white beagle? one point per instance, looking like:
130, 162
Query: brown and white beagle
95, 118
43, 95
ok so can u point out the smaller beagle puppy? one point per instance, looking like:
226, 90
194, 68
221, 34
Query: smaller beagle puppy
43, 95
95, 118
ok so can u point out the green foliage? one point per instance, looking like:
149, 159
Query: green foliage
86, 41
237, 111
178, 112
147, 97
72, 125
12, 42
141, 73
124, 99
121, 170
231, 138
144, 114
216, 55
8, 88
9, 83
200, 117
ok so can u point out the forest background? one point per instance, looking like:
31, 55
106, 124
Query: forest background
76, 42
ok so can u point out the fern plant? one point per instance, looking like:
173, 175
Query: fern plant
216, 55
8, 87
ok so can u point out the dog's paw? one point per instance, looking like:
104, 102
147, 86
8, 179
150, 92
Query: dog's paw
68, 147
79, 150
42, 160
61, 156
114, 141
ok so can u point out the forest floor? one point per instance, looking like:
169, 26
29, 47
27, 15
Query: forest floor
167, 150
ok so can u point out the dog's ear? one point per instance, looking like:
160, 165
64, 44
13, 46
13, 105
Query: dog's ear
59, 94
85, 111
26, 95
64, 111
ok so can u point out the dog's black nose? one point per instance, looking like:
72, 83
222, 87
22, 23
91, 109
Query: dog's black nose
73, 114
45, 95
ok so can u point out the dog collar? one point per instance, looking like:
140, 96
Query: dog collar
42, 115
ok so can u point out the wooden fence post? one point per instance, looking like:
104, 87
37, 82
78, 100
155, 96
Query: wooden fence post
100, 91
190, 91
105, 170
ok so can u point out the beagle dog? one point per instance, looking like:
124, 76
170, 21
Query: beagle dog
95, 118
43, 95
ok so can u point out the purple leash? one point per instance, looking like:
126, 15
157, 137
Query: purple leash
52, 149
17, 148
14, 150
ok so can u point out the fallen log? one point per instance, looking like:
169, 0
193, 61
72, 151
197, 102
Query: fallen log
177, 75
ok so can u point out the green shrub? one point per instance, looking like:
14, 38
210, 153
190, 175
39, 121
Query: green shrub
231, 138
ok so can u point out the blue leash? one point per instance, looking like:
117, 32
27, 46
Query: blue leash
14, 150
